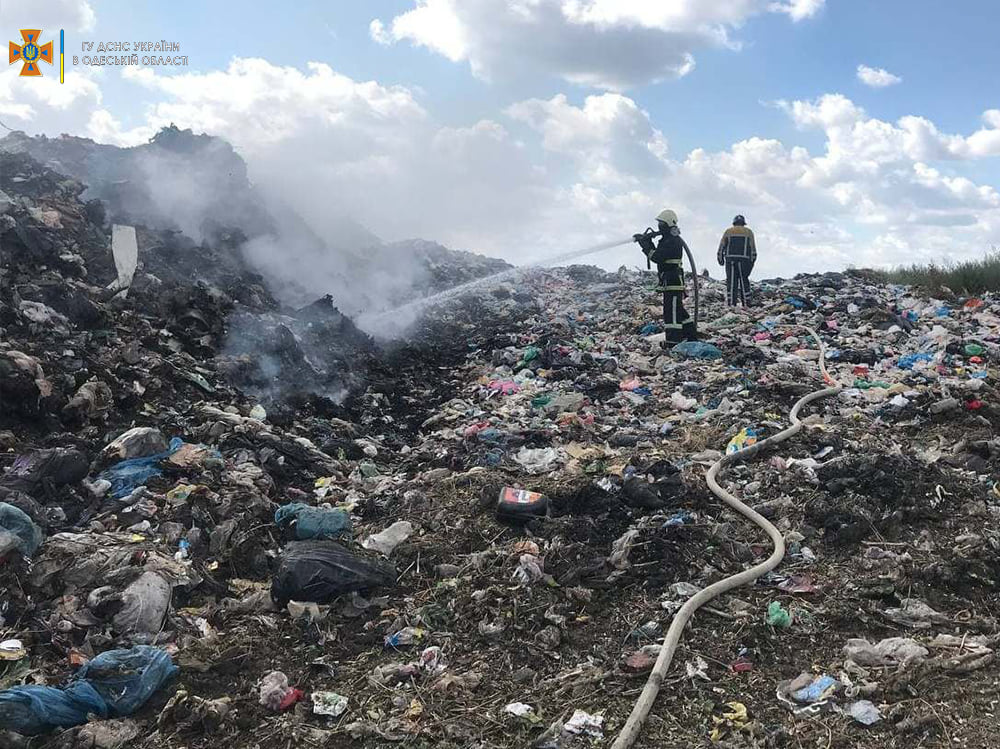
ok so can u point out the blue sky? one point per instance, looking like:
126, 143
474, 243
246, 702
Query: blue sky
948, 60
565, 120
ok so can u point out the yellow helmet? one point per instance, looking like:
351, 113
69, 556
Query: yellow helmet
668, 217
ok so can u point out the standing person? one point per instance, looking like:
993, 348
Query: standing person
668, 254
738, 252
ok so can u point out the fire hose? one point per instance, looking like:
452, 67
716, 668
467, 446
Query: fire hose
630, 732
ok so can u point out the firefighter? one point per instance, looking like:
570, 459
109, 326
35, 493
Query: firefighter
738, 252
668, 254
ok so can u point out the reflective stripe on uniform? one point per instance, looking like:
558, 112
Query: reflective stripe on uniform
678, 261
674, 288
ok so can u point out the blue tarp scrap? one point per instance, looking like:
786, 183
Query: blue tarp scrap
314, 522
696, 350
113, 685
16, 521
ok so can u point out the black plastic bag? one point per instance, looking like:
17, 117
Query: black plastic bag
59, 465
319, 571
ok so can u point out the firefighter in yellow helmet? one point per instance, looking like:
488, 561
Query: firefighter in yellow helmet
668, 254
738, 252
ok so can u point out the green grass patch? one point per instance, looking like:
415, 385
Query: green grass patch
968, 277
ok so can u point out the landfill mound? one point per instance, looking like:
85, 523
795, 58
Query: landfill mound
483, 542
229, 521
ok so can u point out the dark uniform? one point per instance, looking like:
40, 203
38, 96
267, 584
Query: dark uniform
738, 252
668, 255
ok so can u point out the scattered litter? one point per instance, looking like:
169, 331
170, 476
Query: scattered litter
915, 614
276, 694
523, 711
778, 616
386, 542
216, 462
746, 438
731, 718
808, 694
893, 650
584, 724
864, 712
329, 704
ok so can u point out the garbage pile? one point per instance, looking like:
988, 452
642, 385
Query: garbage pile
479, 537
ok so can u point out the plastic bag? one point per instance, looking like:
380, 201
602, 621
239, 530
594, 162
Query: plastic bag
115, 684
696, 350
313, 522
128, 475
126, 679
59, 465
18, 531
33, 709
909, 361
538, 460
386, 542
145, 604
319, 571
746, 438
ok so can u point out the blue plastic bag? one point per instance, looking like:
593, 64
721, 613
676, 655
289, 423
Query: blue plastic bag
819, 689
17, 522
696, 350
31, 709
908, 360
126, 679
113, 685
314, 522
128, 475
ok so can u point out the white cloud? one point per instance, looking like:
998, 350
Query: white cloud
877, 77
376, 30
799, 9
609, 138
854, 136
27, 101
48, 15
609, 44
870, 197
